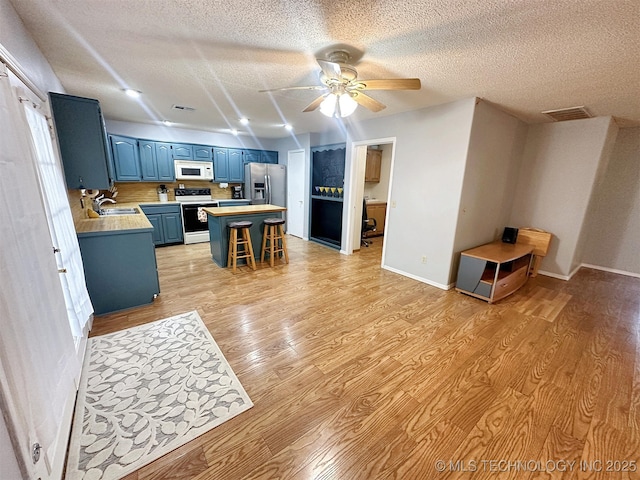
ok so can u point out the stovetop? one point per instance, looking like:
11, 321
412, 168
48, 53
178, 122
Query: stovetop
193, 195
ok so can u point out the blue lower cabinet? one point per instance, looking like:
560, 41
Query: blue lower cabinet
156, 221
167, 223
120, 269
172, 228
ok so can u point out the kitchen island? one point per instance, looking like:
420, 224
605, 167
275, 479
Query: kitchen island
220, 217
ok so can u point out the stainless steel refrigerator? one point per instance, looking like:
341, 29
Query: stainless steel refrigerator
265, 183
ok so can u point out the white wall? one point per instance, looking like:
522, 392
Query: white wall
15, 38
490, 178
613, 232
430, 155
559, 168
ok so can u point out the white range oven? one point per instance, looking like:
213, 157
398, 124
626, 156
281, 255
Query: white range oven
194, 221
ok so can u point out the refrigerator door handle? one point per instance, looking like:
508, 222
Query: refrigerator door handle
268, 183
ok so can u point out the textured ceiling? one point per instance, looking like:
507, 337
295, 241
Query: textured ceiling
525, 56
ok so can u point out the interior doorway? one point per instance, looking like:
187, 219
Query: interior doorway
377, 189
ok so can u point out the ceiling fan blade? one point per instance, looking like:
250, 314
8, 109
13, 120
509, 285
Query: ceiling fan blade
330, 69
306, 87
389, 84
367, 102
315, 104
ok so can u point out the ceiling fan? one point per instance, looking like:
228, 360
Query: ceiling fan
344, 91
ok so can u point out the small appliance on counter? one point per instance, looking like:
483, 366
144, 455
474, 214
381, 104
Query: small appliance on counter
163, 193
236, 192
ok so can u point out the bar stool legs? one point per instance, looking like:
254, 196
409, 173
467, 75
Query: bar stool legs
244, 241
273, 240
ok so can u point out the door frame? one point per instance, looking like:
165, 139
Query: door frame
358, 160
305, 189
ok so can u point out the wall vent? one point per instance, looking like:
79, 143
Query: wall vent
571, 113
183, 108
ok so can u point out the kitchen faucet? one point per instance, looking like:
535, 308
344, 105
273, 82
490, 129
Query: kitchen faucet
98, 201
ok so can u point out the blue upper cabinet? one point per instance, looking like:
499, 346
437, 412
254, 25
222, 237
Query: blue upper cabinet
236, 169
202, 152
148, 162
236, 165
156, 163
220, 165
267, 156
182, 151
83, 141
250, 156
126, 159
166, 170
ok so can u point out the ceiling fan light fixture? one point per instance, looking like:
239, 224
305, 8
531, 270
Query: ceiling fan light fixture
347, 105
338, 105
328, 105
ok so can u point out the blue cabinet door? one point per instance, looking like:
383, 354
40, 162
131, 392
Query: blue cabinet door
182, 151
125, 158
148, 162
166, 170
220, 165
84, 147
268, 156
158, 232
172, 227
250, 156
202, 152
236, 165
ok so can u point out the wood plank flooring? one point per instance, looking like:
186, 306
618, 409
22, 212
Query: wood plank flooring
357, 372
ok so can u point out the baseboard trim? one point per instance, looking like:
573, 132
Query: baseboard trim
419, 279
588, 265
611, 270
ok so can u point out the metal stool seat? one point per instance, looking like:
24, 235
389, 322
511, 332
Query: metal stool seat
244, 241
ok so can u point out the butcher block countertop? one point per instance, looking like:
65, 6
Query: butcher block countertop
243, 210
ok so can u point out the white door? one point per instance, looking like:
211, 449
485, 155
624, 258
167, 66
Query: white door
295, 196
38, 363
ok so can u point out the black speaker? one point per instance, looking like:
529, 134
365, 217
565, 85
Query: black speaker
510, 235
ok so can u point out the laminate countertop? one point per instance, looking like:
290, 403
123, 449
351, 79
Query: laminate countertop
243, 210
112, 224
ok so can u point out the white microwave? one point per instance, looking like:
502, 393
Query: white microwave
191, 170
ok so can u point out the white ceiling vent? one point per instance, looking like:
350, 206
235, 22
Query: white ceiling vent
571, 113
183, 108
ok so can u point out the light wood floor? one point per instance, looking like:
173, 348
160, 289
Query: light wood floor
357, 372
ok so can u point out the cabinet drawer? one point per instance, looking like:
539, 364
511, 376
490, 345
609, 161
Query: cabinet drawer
153, 209
510, 283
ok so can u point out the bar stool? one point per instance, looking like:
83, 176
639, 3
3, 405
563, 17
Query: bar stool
274, 235
235, 242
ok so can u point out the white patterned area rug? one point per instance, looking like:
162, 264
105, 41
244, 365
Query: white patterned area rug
146, 391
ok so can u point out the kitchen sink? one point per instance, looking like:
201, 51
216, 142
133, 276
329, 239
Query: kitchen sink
120, 211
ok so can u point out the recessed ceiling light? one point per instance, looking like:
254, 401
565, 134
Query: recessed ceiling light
234, 131
132, 93
167, 123
244, 121
288, 126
